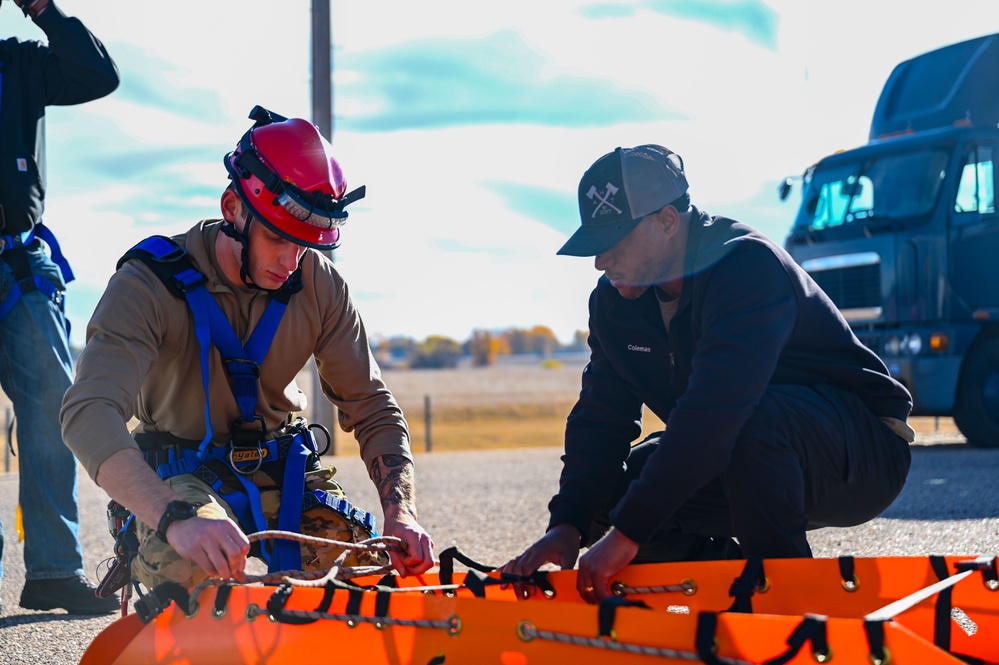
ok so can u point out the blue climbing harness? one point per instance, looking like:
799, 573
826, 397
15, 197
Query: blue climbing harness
12, 253
247, 451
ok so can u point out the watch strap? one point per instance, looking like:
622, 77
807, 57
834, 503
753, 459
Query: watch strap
175, 511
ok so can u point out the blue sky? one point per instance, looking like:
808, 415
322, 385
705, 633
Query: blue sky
470, 123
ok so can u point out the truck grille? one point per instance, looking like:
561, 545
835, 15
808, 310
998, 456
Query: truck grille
851, 288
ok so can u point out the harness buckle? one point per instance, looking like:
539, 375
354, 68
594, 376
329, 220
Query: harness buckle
241, 364
246, 445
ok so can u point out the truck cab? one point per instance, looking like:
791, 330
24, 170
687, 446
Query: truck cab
903, 234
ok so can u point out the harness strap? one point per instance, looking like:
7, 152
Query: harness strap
243, 363
287, 553
11, 247
55, 250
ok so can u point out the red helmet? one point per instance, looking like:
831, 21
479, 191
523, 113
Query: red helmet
285, 174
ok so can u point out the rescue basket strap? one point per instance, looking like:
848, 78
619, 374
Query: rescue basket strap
704, 638
607, 612
811, 629
151, 605
277, 601
447, 559
476, 582
941, 612
222, 597
846, 570
745, 585
382, 599
875, 631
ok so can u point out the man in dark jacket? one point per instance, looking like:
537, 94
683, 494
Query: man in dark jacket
778, 420
35, 363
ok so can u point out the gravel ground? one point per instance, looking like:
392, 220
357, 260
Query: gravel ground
492, 505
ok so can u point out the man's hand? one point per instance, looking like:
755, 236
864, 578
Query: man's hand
216, 544
559, 546
603, 561
393, 475
419, 546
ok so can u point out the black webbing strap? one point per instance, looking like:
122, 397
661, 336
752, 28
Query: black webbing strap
447, 559
846, 571
811, 629
745, 585
477, 582
18, 262
328, 590
153, 603
354, 602
276, 603
983, 563
382, 599
222, 597
941, 616
875, 641
278, 599
704, 638
389, 580
607, 612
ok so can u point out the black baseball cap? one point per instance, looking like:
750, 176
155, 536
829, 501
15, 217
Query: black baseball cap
619, 190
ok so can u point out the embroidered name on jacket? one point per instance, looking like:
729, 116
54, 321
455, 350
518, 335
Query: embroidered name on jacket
643, 349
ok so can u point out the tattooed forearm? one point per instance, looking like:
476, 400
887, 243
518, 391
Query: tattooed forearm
393, 476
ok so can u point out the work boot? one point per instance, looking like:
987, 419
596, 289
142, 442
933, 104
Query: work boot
76, 595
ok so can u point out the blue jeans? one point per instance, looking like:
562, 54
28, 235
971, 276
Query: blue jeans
35, 370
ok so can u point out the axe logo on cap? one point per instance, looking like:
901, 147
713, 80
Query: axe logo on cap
603, 203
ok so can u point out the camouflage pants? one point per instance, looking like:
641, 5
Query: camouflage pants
158, 562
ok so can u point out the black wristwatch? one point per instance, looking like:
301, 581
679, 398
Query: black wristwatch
175, 510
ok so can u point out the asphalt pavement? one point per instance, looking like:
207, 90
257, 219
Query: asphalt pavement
492, 504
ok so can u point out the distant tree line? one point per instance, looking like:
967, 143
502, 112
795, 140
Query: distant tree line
482, 348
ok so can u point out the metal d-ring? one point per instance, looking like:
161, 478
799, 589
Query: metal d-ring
245, 472
326, 433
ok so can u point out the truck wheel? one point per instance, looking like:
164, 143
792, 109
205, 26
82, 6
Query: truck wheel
976, 406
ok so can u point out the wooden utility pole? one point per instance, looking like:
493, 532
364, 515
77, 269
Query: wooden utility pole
322, 411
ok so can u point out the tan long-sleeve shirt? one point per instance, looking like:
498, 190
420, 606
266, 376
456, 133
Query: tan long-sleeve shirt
142, 359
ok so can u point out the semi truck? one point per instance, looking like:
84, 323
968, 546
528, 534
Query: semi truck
903, 233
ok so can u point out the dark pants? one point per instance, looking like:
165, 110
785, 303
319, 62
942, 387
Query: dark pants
807, 458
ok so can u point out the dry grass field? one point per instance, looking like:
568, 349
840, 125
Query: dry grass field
522, 405
516, 405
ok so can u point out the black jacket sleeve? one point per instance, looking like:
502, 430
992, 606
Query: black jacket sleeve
72, 68
606, 418
76, 68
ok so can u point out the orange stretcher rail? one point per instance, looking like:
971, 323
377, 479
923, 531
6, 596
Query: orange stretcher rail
885, 610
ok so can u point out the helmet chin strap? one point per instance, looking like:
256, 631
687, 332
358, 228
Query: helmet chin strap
294, 281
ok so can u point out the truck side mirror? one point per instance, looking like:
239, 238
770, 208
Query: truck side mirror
784, 189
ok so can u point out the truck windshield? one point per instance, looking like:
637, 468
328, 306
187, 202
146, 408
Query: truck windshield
887, 187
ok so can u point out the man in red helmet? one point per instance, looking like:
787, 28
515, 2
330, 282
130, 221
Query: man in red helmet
200, 337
